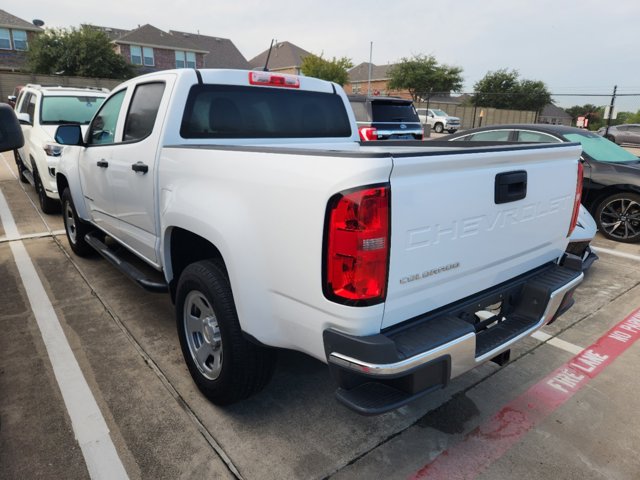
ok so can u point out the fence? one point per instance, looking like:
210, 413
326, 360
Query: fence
471, 117
10, 80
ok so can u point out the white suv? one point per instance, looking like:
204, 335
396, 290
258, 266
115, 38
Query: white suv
439, 120
40, 110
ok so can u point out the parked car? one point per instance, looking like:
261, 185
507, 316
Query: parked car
611, 188
11, 99
581, 237
386, 118
40, 111
439, 120
622, 134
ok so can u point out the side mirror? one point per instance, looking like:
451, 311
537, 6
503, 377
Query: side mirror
69, 135
10, 132
24, 119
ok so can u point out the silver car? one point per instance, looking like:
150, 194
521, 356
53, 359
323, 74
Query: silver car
621, 134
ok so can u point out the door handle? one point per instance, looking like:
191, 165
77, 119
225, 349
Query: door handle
102, 163
140, 167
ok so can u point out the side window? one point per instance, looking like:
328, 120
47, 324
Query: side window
360, 111
31, 107
23, 101
143, 111
103, 127
535, 137
491, 136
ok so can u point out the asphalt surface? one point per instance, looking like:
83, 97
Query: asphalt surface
124, 342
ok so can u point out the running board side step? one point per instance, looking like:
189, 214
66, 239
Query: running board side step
125, 267
29, 176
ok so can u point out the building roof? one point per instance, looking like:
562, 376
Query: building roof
283, 55
360, 73
222, 52
550, 110
112, 33
11, 21
150, 36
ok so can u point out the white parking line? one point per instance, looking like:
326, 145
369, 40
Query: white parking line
6, 238
88, 424
556, 342
616, 253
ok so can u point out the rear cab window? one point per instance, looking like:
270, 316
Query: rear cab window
232, 111
390, 111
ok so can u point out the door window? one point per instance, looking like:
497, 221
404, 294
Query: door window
103, 127
491, 136
143, 111
535, 137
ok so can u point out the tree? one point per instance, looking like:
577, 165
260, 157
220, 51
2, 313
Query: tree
84, 52
421, 76
504, 89
591, 112
334, 70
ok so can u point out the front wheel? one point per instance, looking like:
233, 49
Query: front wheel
224, 365
21, 167
438, 128
618, 217
47, 205
75, 228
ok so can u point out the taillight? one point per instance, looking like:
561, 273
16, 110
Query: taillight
357, 246
577, 200
368, 133
273, 80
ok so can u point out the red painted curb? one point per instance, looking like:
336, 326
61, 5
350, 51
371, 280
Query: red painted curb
489, 442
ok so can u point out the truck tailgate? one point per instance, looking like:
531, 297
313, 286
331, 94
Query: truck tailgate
449, 237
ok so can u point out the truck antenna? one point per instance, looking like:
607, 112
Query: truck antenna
266, 63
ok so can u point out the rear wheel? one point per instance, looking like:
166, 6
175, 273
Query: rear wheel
75, 228
224, 365
438, 128
618, 217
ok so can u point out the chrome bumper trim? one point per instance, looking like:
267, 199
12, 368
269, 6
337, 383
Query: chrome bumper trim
461, 350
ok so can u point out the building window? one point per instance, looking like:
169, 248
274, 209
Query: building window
185, 59
148, 56
142, 54
19, 39
5, 39
136, 55
355, 88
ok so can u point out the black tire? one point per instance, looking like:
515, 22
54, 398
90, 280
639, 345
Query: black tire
75, 228
618, 217
611, 138
47, 205
21, 167
438, 128
230, 367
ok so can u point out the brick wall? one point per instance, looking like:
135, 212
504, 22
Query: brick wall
16, 60
163, 59
378, 87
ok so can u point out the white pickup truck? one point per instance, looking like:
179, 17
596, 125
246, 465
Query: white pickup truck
399, 266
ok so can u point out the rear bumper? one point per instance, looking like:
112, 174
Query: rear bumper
381, 372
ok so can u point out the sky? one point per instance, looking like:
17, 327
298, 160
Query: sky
575, 47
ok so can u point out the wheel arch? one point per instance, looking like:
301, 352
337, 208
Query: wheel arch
183, 247
609, 190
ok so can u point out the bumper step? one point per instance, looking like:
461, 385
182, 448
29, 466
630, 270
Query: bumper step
376, 398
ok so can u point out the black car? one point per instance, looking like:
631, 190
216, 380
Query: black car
386, 118
611, 190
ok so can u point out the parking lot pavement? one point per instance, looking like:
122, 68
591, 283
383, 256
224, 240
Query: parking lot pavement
124, 342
